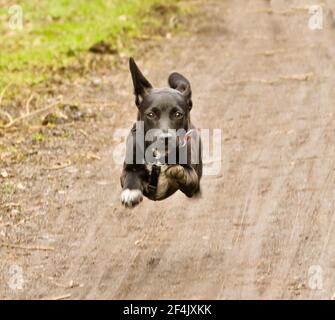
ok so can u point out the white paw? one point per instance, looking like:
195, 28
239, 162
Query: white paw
131, 198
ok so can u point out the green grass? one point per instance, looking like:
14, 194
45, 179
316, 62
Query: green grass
7, 187
56, 31
37, 137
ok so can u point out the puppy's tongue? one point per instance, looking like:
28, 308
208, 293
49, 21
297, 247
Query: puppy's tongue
187, 137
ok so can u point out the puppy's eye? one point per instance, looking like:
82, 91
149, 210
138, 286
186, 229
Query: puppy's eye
178, 115
150, 115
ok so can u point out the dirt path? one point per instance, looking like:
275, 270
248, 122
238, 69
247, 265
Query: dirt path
264, 227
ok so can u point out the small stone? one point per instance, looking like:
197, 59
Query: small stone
20, 186
96, 82
137, 242
4, 173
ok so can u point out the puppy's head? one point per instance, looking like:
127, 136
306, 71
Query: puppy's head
164, 109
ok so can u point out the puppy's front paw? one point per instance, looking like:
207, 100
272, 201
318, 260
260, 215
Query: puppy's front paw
131, 198
177, 173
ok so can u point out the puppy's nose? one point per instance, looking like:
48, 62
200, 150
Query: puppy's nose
165, 137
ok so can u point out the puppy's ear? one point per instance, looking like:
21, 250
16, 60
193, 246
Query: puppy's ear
180, 83
141, 84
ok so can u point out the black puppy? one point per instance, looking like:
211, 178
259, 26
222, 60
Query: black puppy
170, 159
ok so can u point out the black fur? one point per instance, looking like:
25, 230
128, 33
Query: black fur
162, 109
